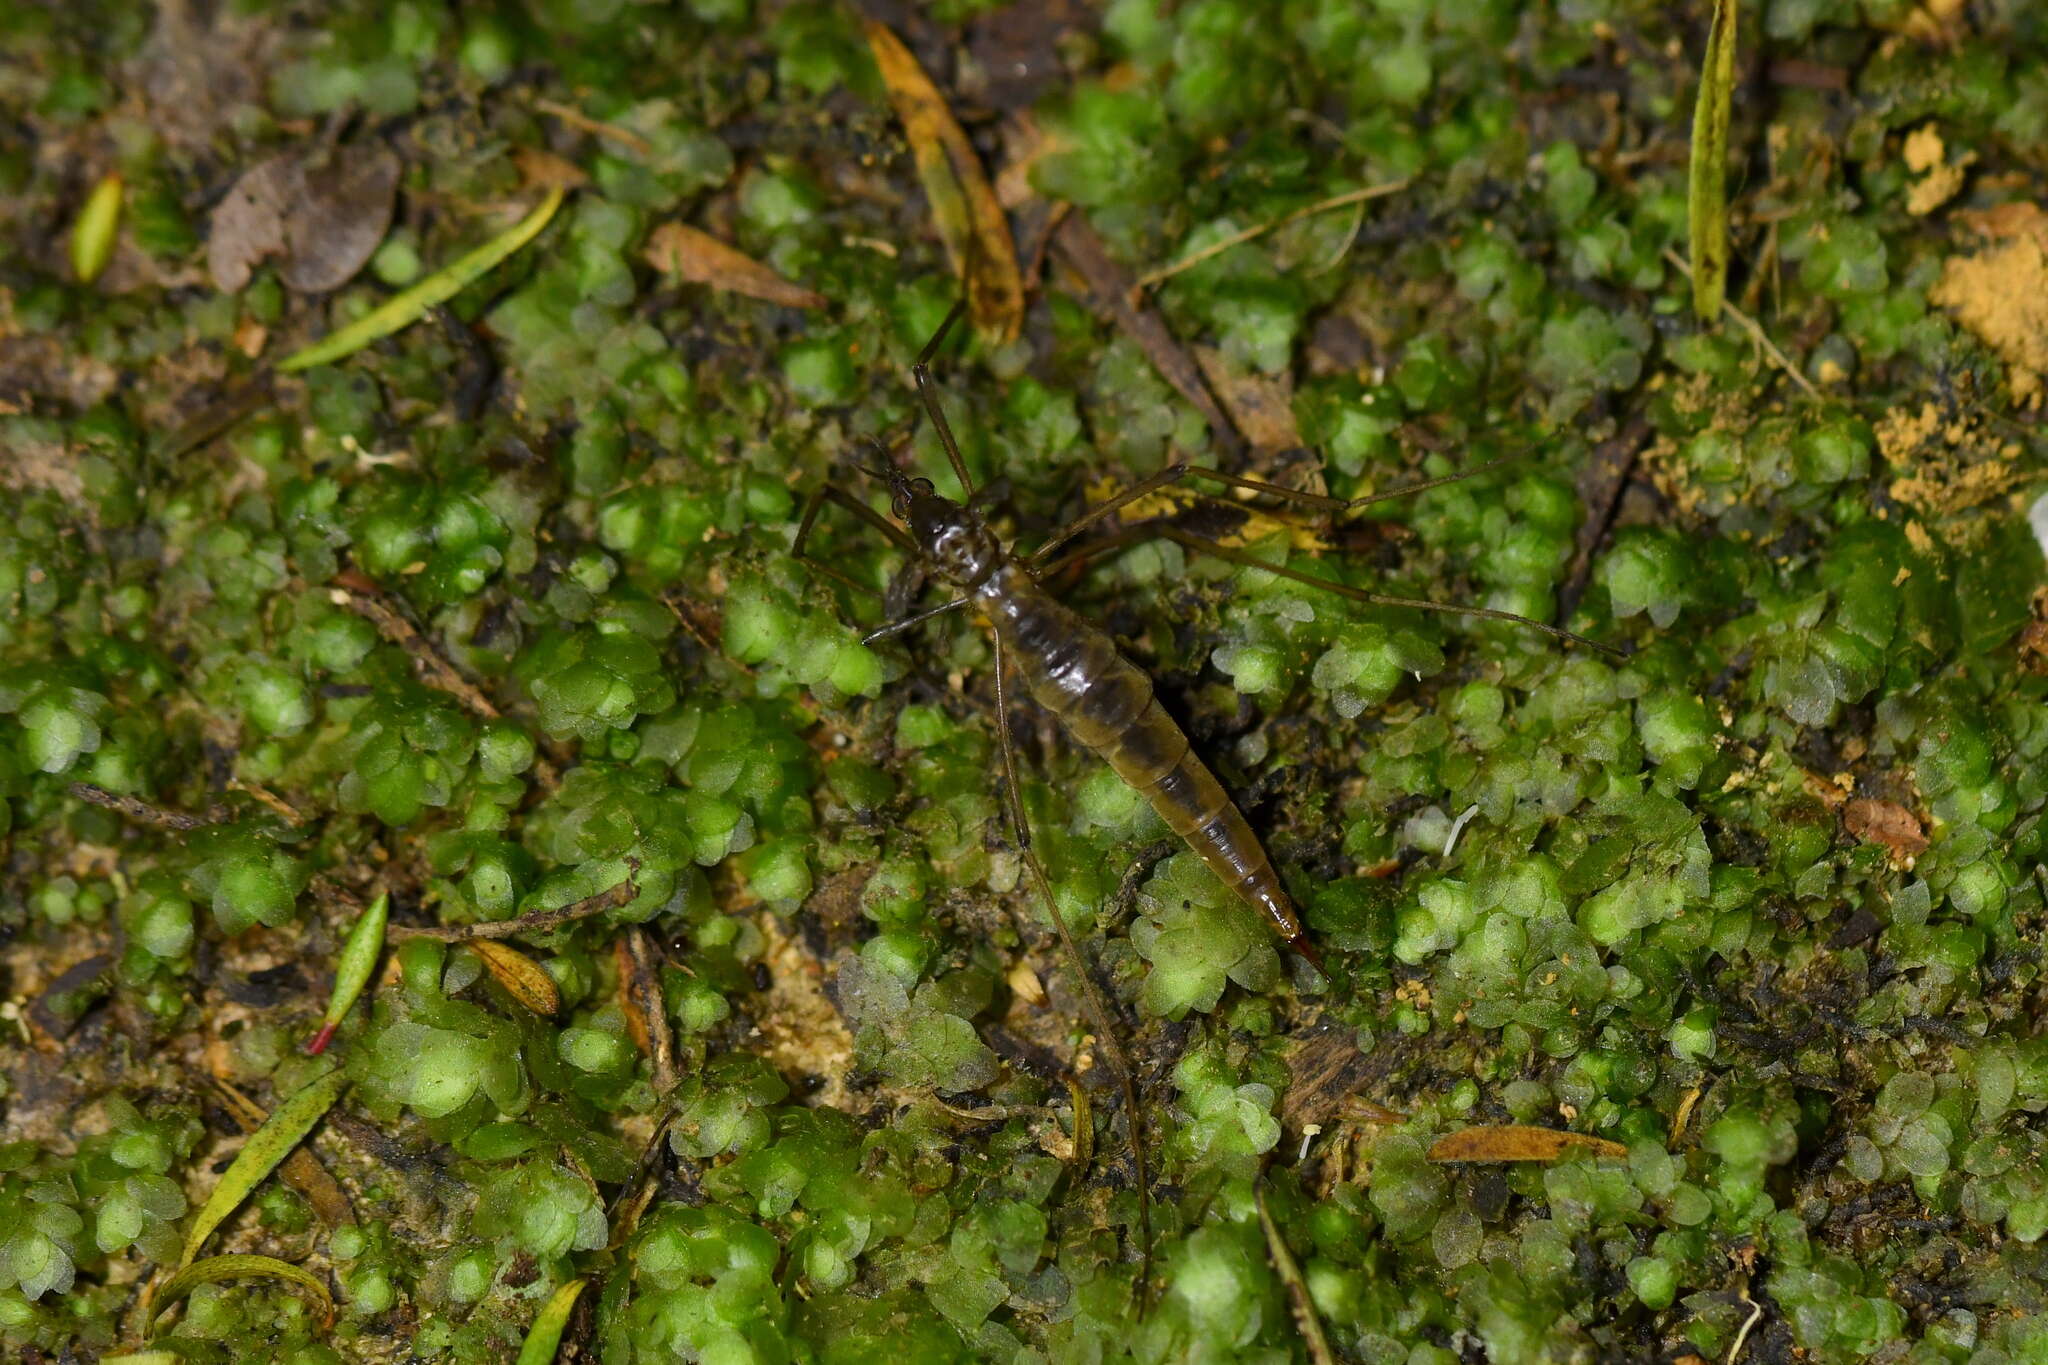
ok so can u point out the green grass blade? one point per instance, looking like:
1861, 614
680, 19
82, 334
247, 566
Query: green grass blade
259, 1156
98, 228
545, 1336
407, 307
358, 960
1707, 190
214, 1269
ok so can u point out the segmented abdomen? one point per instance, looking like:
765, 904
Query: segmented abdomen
1105, 701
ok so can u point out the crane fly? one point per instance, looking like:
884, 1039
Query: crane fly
1074, 670
1071, 667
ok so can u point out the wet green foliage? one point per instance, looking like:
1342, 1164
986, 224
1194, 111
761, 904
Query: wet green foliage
1761, 902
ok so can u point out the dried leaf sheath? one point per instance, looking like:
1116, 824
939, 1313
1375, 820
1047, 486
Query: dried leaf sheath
1105, 702
1707, 193
964, 206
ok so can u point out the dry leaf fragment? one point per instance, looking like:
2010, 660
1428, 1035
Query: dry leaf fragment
1517, 1142
969, 219
1262, 406
325, 215
1887, 823
700, 258
544, 170
523, 978
266, 1147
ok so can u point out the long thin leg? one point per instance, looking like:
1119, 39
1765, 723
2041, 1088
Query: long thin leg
1098, 1009
1081, 554
814, 504
1165, 530
1173, 473
1210, 547
1345, 504
898, 627
922, 373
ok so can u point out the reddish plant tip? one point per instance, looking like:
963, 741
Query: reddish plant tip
320, 1040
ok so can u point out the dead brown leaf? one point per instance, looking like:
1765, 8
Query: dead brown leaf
543, 170
523, 978
969, 219
700, 258
1887, 823
1261, 406
1517, 1142
1079, 245
324, 214
1325, 1070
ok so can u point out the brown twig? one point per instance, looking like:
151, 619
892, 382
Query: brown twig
366, 599
646, 1013
283, 809
537, 922
1614, 463
1217, 248
1299, 1301
354, 592
135, 808
1077, 242
576, 118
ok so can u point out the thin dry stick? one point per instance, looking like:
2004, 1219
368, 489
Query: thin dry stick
538, 922
434, 670
1193, 259
1077, 242
366, 599
1755, 330
135, 808
646, 1017
576, 118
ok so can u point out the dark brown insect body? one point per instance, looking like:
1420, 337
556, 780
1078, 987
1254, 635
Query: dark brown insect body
1072, 668
1103, 700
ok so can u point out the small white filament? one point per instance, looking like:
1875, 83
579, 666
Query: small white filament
1451, 840
1308, 1135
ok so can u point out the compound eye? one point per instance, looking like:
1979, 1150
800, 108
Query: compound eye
922, 487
